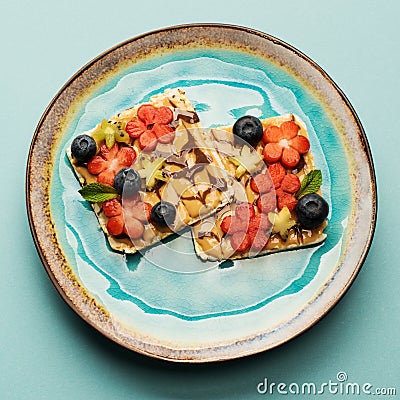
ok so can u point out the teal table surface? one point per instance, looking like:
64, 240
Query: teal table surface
48, 352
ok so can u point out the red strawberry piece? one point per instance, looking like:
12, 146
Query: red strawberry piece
290, 157
244, 211
139, 210
226, 224
164, 133
286, 200
277, 173
259, 222
260, 240
106, 177
240, 241
112, 208
135, 127
237, 225
109, 154
96, 165
168, 138
115, 225
283, 143
110, 161
272, 134
133, 228
131, 201
147, 210
126, 156
261, 183
290, 183
267, 203
147, 141
272, 152
300, 143
289, 130
146, 113
163, 115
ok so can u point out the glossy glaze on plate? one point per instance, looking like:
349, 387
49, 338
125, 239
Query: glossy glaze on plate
225, 310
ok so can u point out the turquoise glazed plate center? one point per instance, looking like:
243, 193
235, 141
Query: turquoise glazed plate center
226, 310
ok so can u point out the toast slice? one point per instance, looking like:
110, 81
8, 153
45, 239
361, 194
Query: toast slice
271, 221
177, 166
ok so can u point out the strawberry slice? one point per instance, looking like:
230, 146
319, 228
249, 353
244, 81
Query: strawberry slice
151, 125
110, 161
272, 134
109, 154
284, 144
277, 173
126, 156
163, 115
244, 211
164, 133
289, 130
266, 203
168, 138
290, 157
259, 241
226, 224
147, 141
106, 177
240, 241
300, 143
133, 228
261, 183
135, 127
259, 222
97, 165
115, 225
286, 200
112, 208
146, 113
139, 210
290, 183
237, 225
272, 152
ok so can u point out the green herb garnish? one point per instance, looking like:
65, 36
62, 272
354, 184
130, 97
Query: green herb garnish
310, 183
98, 192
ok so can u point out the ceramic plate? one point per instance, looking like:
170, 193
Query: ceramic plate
225, 311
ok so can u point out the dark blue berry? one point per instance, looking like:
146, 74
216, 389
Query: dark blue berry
249, 129
311, 210
83, 148
127, 181
163, 213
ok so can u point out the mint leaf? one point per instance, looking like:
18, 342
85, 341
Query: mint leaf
98, 192
310, 183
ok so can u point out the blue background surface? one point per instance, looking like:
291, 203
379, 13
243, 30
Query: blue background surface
48, 352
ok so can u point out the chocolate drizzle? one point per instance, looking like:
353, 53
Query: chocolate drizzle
190, 117
201, 158
188, 173
210, 234
218, 183
180, 160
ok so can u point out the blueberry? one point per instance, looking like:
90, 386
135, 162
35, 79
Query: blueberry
311, 210
248, 128
83, 148
163, 213
128, 181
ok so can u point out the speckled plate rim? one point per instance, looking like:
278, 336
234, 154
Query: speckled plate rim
37, 203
